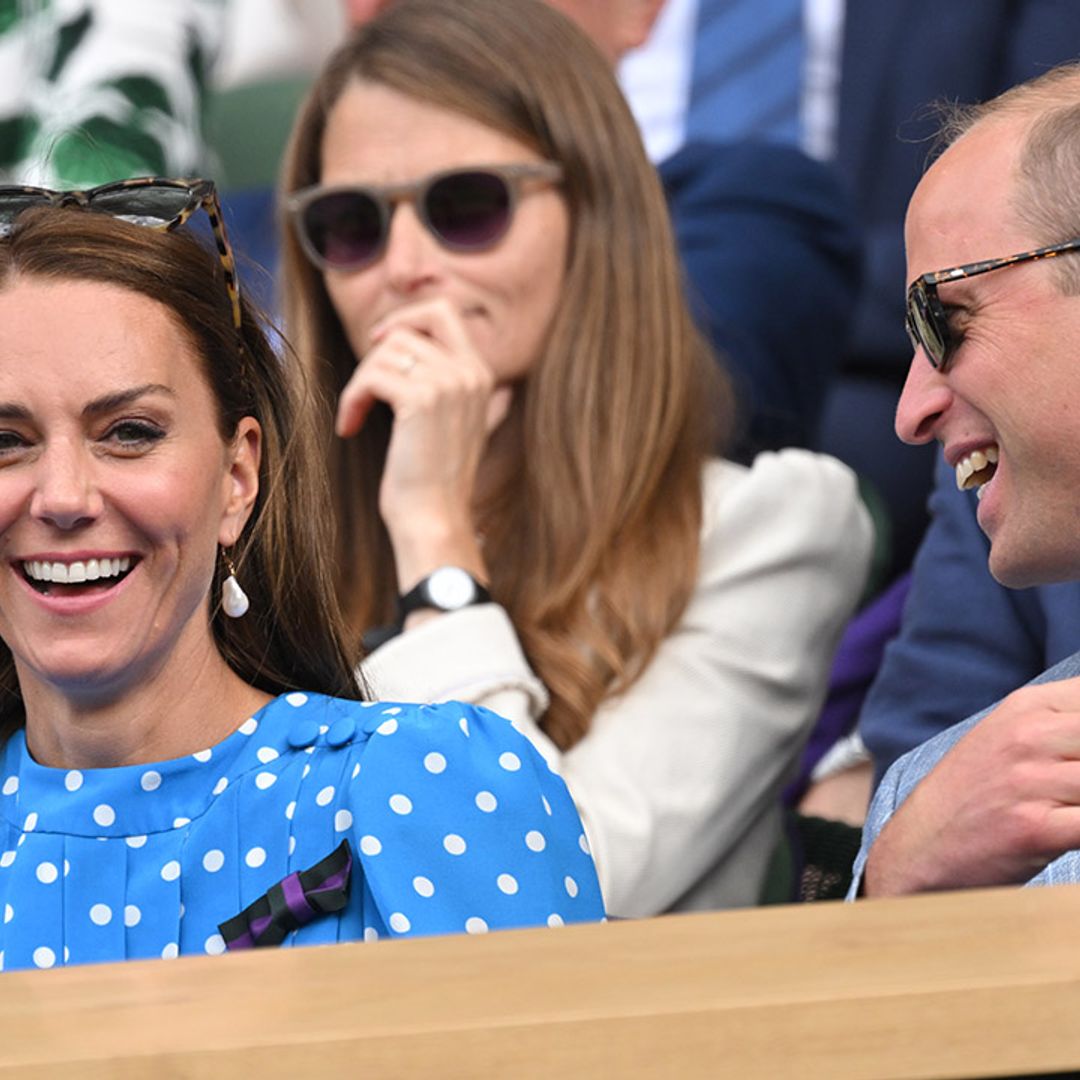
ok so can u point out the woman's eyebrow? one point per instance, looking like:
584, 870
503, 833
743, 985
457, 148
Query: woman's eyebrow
110, 402
10, 410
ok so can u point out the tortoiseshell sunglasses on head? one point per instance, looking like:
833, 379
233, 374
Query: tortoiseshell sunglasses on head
927, 321
153, 201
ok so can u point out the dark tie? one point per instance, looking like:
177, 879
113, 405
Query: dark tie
747, 72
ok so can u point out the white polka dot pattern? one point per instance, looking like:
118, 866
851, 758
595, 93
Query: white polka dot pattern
455, 825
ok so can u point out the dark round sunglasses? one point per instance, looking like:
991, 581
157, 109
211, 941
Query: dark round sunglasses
345, 227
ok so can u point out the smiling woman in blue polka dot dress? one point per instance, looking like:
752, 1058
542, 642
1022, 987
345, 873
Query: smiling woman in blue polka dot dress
186, 766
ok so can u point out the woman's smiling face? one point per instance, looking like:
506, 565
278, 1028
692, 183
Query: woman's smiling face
113, 470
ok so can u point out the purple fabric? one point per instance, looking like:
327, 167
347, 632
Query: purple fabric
298, 904
288, 904
857, 659
335, 881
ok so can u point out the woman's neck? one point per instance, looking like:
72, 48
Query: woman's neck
189, 704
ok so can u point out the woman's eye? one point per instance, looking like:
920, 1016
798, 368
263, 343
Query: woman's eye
133, 433
10, 441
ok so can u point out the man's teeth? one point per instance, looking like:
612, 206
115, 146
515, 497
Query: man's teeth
75, 572
977, 468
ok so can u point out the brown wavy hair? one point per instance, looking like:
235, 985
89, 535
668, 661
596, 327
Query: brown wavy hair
293, 636
592, 534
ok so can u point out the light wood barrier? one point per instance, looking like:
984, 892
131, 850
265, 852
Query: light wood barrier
975, 984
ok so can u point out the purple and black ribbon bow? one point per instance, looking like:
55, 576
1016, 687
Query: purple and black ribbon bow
293, 902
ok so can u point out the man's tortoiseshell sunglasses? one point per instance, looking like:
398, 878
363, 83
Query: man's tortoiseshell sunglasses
153, 201
927, 321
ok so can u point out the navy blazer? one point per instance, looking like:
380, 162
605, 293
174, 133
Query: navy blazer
772, 259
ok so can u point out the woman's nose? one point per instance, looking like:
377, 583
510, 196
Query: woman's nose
412, 254
66, 494
925, 398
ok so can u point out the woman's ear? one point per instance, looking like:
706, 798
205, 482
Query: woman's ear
241, 480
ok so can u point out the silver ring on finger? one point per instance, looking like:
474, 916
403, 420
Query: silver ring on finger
406, 362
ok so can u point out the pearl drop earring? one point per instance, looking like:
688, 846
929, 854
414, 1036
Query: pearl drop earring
234, 601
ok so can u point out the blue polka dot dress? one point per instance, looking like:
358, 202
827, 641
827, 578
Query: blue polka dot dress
454, 824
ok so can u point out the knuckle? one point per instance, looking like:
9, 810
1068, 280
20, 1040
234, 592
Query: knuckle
1022, 827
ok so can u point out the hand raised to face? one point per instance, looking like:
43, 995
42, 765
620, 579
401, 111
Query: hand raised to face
445, 403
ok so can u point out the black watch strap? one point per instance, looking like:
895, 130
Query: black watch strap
449, 588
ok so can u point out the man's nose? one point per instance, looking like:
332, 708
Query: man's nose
925, 397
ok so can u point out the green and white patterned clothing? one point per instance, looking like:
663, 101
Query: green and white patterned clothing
99, 90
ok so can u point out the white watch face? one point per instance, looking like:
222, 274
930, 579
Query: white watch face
450, 588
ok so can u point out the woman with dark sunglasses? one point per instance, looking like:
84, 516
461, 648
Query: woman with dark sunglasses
480, 272
187, 765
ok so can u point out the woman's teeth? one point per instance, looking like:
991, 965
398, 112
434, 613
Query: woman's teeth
75, 572
976, 468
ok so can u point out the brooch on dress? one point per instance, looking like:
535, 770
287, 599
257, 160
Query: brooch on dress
293, 902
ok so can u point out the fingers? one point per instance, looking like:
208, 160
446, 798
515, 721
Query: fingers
415, 354
436, 319
1040, 721
387, 373
498, 406
998, 806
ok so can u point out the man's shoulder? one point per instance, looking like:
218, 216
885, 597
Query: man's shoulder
746, 165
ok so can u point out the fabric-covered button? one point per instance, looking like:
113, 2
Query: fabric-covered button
303, 733
341, 731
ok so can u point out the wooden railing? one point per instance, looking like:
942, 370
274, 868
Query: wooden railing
965, 984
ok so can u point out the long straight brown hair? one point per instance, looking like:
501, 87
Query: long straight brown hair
592, 535
293, 636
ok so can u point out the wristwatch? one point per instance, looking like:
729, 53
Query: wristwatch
449, 588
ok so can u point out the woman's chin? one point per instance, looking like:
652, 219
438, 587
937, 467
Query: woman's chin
76, 672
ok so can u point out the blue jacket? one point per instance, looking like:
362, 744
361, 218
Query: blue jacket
772, 258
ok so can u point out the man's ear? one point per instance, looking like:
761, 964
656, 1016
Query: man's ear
241, 480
